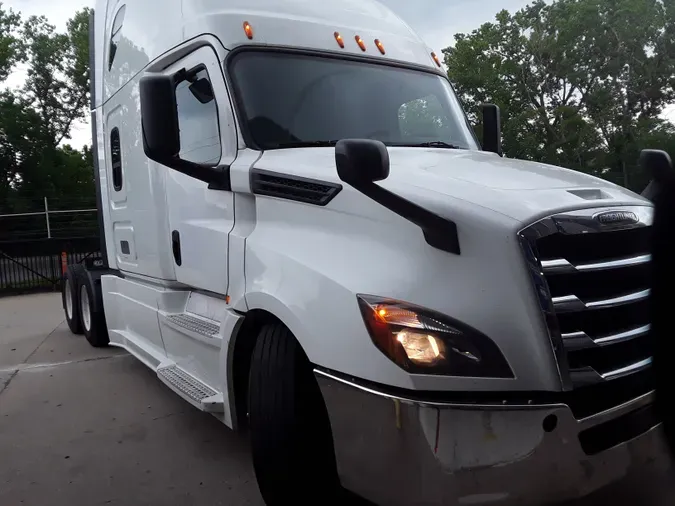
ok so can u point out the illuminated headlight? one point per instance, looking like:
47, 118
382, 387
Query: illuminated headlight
426, 342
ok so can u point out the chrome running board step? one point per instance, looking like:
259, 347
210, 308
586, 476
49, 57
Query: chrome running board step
191, 389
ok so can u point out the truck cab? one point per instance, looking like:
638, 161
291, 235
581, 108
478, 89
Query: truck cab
302, 236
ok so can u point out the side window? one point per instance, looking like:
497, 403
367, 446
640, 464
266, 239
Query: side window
198, 119
115, 34
116, 159
423, 118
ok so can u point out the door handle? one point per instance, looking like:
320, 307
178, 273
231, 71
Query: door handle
175, 246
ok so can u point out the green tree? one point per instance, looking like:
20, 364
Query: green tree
10, 54
58, 72
37, 119
577, 80
21, 145
11, 47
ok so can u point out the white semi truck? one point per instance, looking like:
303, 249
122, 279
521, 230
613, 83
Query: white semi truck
301, 235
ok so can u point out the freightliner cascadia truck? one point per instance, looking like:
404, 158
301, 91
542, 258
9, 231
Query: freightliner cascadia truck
302, 236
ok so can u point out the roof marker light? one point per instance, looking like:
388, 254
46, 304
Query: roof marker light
340, 40
360, 42
380, 46
435, 57
248, 30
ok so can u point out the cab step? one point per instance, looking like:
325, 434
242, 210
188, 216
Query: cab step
191, 389
194, 323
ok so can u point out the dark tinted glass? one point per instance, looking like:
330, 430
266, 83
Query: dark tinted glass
291, 99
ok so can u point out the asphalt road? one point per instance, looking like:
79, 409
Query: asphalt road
80, 426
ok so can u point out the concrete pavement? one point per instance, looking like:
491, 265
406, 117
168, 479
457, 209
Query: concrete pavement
86, 426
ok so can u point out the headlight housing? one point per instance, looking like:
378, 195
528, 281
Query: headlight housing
423, 341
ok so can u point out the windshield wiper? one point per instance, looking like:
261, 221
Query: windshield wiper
434, 144
302, 144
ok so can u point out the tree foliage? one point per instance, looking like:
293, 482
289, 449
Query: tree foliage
36, 119
581, 83
11, 49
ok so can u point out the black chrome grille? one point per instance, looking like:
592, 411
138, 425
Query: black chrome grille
619, 430
594, 399
597, 279
610, 321
600, 284
593, 247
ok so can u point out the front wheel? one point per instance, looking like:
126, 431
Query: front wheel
291, 438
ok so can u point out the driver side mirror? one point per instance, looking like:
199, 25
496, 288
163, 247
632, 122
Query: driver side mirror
361, 161
159, 117
657, 163
202, 91
492, 129
161, 131
659, 166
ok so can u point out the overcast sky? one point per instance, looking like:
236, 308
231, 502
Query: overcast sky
435, 20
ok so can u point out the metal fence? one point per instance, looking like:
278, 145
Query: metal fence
37, 244
37, 264
48, 218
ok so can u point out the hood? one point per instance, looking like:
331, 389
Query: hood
518, 189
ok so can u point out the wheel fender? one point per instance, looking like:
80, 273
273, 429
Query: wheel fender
235, 339
271, 304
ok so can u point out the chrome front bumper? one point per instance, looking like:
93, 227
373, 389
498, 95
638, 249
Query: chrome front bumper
397, 451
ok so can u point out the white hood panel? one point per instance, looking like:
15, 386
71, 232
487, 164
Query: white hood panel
524, 191
489, 170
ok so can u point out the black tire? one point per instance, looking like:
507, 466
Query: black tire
94, 327
291, 440
70, 299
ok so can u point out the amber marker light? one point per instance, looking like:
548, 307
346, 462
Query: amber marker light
380, 46
360, 42
248, 30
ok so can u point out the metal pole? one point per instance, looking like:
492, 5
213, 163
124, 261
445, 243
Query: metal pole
49, 230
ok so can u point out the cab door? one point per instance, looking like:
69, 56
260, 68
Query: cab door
200, 219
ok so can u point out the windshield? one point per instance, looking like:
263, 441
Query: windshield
292, 100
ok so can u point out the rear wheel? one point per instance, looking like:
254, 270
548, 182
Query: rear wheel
291, 439
92, 314
85, 308
70, 299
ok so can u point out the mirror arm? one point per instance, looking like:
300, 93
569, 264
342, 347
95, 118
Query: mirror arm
218, 178
185, 75
439, 232
222, 182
